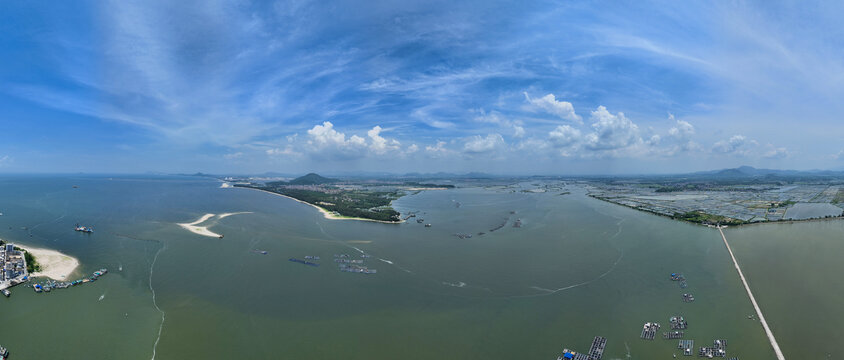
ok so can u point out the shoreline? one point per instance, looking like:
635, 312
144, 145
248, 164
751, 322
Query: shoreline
327, 214
784, 221
54, 264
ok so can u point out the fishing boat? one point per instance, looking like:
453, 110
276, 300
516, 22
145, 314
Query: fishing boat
303, 262
84, 229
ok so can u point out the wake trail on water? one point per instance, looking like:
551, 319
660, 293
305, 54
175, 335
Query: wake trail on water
154, 303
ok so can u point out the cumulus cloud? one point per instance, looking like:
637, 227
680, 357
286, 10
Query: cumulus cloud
437, 150
774, 152
737, 144
564, 136
379, 144
550, 104
325, 141
611, 132
682, 134
477, 144
412, 148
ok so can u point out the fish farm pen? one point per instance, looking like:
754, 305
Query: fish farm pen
686, 346
649, 331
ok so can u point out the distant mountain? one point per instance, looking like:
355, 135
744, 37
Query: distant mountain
751, 172
311, 179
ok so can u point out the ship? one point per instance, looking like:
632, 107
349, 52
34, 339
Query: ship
6, 293
4, 353
84, 229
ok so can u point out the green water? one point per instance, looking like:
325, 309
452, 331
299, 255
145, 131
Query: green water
577, 268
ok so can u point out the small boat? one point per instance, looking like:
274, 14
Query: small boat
84, 229
4, 353
37, 288
6, 292
427, 225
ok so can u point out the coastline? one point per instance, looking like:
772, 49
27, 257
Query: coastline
784, 221
54, 265
327, 214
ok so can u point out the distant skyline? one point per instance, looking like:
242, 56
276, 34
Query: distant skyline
564, 88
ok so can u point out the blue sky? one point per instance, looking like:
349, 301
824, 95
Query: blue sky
566, 87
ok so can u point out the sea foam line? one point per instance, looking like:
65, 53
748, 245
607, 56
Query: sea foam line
154, 303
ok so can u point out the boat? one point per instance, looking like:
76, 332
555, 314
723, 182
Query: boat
4, 353
427, 225
303, 262
84, 229
6, 292
37, 288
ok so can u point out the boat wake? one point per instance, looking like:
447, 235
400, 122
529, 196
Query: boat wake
459, 284
386, 261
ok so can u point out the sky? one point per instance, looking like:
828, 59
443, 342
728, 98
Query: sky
551, 88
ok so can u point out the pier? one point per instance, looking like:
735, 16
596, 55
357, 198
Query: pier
768, 331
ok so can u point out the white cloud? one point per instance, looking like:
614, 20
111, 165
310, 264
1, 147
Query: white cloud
565, 136
494, 117
379, 144
775, 152
288, 151
550, 104
518, 131
477, 144
438, 150
682, 134
324, 140
233, 156
412, 148
737, 144
611, 131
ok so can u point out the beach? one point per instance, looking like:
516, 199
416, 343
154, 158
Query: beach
54, 265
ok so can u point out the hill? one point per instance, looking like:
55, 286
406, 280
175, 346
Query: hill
312, 179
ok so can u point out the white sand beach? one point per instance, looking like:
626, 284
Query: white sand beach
54, 265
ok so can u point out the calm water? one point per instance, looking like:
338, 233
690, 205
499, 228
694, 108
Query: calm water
577, 268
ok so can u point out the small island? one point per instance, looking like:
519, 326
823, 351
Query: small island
364, 200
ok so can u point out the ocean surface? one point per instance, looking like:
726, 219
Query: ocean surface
576, 268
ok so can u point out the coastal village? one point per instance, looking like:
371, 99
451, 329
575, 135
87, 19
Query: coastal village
14, 268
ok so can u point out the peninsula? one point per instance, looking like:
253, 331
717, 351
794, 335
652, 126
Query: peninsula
345, 199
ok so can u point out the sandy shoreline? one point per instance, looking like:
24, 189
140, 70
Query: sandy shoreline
325, 213
54, 265
203, 230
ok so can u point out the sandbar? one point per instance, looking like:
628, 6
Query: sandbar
203, 230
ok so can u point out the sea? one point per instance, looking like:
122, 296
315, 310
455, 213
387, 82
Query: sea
575, 268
